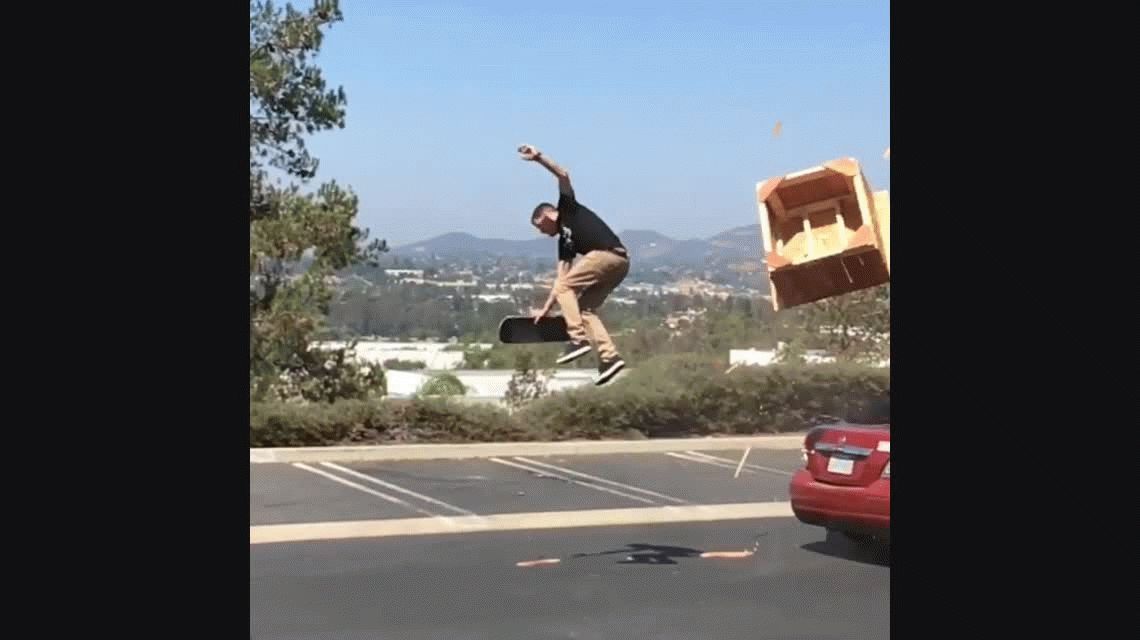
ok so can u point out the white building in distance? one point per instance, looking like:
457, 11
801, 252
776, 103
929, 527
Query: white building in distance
487, 385
432, 354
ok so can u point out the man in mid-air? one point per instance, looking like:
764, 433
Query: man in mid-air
582, 287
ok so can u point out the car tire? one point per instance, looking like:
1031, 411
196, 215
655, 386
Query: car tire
835, 536
839, 536
859, 538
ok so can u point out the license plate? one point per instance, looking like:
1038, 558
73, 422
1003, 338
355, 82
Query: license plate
841, 465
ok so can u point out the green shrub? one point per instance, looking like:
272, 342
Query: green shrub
442, 420
687, 396
443, 384
275, 424
380, 421
395, 364
674, 396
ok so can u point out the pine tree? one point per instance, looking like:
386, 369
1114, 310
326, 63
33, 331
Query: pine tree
297, 240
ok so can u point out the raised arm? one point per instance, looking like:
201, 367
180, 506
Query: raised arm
531, 154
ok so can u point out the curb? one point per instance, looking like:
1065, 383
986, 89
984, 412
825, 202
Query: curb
360, 529
495, 449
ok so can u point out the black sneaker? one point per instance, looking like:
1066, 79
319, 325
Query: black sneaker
573, 351
608, 369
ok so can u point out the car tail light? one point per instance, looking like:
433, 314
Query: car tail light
887, 470
810, 439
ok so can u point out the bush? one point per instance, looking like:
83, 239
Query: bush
525, 384
443, 384
386, 421
674, 396
693, 396
320, 375
395, 364
273, 424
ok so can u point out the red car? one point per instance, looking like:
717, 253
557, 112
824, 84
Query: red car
845, 485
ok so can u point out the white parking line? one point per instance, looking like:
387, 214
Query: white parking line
689, 458
359, 487
542, 471
602, 480
397, 488
782, 472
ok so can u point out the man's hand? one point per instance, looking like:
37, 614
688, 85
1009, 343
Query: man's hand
529, 153
541, 313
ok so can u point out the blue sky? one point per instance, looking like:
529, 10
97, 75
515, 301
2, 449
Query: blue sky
663, 112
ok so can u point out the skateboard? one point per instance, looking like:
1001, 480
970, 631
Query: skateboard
523, 330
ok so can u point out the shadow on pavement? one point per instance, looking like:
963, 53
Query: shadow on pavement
836, 546
641, 553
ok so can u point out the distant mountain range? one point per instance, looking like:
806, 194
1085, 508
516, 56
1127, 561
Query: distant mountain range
739, 247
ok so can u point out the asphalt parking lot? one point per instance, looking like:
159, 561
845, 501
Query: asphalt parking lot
335, 491
408, 567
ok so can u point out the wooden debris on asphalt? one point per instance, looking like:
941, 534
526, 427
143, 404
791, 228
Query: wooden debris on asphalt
535, 563
727, 554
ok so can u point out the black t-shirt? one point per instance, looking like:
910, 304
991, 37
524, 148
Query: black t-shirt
581, 231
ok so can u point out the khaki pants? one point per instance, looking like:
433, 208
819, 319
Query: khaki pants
592, 278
